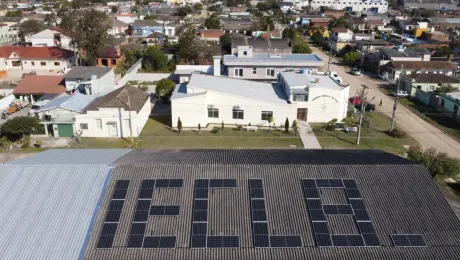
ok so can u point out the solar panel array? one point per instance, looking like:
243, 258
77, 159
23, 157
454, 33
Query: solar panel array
137, 238
408, 240
199, 237
113, 214
260, 235
318, 214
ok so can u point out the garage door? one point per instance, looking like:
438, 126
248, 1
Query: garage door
65, 130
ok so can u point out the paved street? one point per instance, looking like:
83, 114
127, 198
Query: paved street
22, 112
427, 135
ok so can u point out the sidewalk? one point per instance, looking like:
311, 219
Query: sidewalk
308, 136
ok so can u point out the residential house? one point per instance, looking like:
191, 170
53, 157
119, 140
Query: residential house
404, 54
143, 28
435, 35
267, 35
53, 37
109, 56
7, 35
426, 82
448, 103
112, 115
32, 88
287, 6
35, 58
60, 113
444, 24
362, 36
127, 18
155, 38
340, 38
443, 5
357, 24
319, 22
372, 45
262, 45
334, 13
12, 24
375, 25
211, 35
209, 99
263, 66
184, 72
237, 27
118, 28
393, 69
90, 80
377, 6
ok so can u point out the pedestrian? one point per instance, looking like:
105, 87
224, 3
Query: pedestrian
381, 100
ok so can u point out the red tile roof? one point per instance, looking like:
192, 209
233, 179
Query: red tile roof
109, 51
61, 31
340, 30
39, 85
35, 52
211, 33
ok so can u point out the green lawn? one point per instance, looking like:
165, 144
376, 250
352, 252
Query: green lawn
371, 138
158, 134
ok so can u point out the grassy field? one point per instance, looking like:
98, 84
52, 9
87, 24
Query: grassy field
158, 134
371, 138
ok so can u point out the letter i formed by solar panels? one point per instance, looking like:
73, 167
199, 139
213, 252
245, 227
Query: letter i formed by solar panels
113, 214
260, 235
199, 237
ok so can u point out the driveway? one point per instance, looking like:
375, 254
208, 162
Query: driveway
423, 132
22, 112
307, 136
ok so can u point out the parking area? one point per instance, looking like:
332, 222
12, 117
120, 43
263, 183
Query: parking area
22, 112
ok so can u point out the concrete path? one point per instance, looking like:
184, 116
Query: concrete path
427, 135
307, 136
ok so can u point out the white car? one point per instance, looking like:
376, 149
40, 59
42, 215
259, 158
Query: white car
355, 71
400, 93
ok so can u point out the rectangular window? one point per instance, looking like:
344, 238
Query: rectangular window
238, 114
271, 72
33, 63
99, 123
57, 63
300, 97
266, 115
238, 72
43, 63
84, 126
254, 70
16, 63
213, 113
113, 61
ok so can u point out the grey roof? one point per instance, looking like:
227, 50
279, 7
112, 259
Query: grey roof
433, 78
399, 196
231, 26
261, 43
408, 52
454, 95
181, 92
47, 210
265, 57
84, 73
73, 156
245, 88
294, 78
76, 102
146, 23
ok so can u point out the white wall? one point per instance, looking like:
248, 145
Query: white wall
121, 117
6, 64
357, 6
325, 104
102, 85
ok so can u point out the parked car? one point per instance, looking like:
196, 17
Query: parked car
400, 93
34, 109
355, 71
367, 108
356, 100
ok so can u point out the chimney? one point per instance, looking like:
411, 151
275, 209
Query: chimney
216, 65
317, 80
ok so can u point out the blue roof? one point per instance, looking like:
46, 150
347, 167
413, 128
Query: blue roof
76, 102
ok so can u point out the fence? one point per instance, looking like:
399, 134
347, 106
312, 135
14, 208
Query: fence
133, 75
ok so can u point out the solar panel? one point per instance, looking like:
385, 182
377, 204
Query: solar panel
135, 241
260, 228
198, 241
317, 215
255, 184
157, 210
361, 215
116, 204
201, 193
323, 183
312, 193
323, 240
353, 193
336, 183
357, 204
366, 228
314, 204
199, 228
230, 183
347, 240
200, 204
176, 183
119, 194
113, 216
141, 216
320, 227
122, 184
350, 184
345, 209
201, 183
308, 184
138, 228
339, 240
105, 241
151, 242
409, 240
109, 229
162, 183
143, 205
258, 204
257, 193
200, 215
159, 242
172, 210
261, 241
167, 242
330, 209
277, 241
259, 215
293, 241
355, 240
148, 184
230, 241
371, 240
146, 193
215, 183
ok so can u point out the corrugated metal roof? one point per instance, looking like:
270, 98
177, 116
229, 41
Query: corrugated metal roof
76, 102
400, 197
46, 210
73, 156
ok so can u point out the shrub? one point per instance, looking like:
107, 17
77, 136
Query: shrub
436, 163
397, 133
179, 125
164, 88
286, 125
18, 127
143, 88
215, 130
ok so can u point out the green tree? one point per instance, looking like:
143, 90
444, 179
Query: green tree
18, 127
352, 58
338, 22
183, 11
197, 7
150, 17
90, 32
214, 8
114, 9
188, 43
286, 125
226, 43
301, 46
212, 23
15, 13
50, 19
443, 52
263, 6
179, 125
291, 33
30, 27
154, 59
437, 163
164, 88
47, 8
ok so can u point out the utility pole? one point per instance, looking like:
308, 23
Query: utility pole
396, 101
130, 124
361, 114
330, 51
